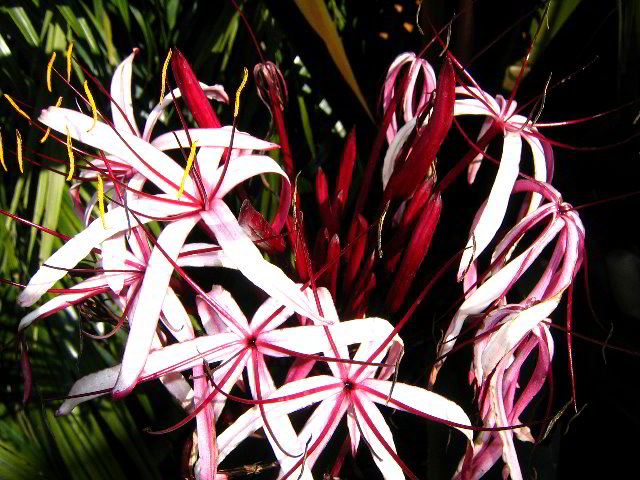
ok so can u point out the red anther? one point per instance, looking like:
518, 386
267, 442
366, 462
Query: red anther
408, 176
259, 230
192, 92
415, 252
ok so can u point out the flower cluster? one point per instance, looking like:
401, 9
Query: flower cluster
345, 366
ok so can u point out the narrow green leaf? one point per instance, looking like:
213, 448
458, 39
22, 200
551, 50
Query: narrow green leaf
316, 13
55, 189
306, 126
38, 209
79, 26
22, 22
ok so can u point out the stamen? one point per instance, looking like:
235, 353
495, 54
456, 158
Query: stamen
69, 50
49, 67
92, 102
46, 134
192, 155
19, 149
18, 109
2, 153
164, 75
380, 224
70, 152
101, 202
242, 84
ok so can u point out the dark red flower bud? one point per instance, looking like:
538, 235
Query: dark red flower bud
357, 253
408, 176
322, 199
271, 85
415, 253
192, 92
347, 162
25, 366
333, 259
259, 230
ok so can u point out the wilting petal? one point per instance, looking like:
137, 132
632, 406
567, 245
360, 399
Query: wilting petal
514, 330
121, 95
152, 163
246, 256
176, 318
299, 394
150, 300
395, 147
496, 207
81, 245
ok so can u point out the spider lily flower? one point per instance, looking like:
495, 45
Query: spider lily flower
501, 356
501, 117
352, 390
237, 344
564, 225
153, 165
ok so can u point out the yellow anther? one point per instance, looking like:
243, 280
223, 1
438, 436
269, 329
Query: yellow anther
46, 134
19, 149
101, 202
70, 152
2, 153
69, 50
164, 75
192, 155
49, 67
18, 109
242, 84
92, 102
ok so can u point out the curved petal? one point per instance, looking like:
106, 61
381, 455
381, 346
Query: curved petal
81, 245
246, 256
100, 382
121, 95
203, 255
211, 137
143, 157
496, 206
176, 318
395, 147
150, 300
419, 401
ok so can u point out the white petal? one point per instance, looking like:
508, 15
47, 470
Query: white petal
121, 95
246, 256
150, 300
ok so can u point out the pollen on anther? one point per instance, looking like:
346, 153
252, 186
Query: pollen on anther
18, 109
92, 102
69, 50
19, 149
101, 202
46, 134
70, 152
192, 155
242, 84
49, 67
2, 153
164, 75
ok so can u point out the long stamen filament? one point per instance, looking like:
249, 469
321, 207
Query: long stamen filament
242, 84
19, 149
164, 75
18, 109
92, 102
70, 152
49, 67
46, 134
192, 155
69, 50
101, 202
2, 154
